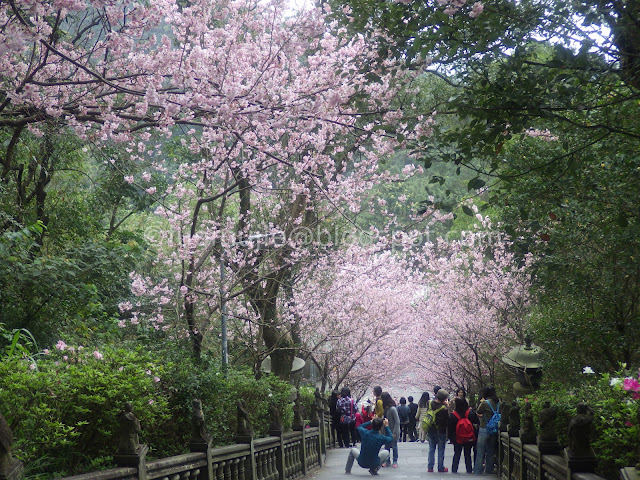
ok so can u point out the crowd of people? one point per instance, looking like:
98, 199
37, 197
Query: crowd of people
473, 432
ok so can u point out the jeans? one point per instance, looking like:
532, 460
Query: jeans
486, 450
392, 446
354, 453
439, 440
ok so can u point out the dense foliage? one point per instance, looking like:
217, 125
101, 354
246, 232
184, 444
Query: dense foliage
538, 101
63, 404
310, 181
615, 416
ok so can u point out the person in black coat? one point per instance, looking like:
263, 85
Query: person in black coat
413, 409
461, 408
335, 417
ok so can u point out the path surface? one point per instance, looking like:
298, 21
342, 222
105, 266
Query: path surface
412, 465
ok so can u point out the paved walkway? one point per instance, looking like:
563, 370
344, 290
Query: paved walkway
412, 465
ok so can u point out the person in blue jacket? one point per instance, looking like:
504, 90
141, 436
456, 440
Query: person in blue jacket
369, 456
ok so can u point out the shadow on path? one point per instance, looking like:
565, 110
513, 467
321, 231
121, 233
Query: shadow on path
412, 464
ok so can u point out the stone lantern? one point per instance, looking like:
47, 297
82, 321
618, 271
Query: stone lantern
525, 360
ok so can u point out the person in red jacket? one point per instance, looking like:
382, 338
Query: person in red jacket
367, 415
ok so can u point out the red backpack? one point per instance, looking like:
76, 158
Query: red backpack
465, 432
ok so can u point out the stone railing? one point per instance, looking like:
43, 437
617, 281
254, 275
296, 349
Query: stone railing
518, 461
280, 456
284, 457
534, 453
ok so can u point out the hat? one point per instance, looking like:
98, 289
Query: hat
442, 395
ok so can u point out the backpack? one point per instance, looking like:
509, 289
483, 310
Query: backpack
429, 419
465, 432
493, 424
346, 418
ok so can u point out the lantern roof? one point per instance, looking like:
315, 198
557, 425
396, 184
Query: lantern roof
527, 356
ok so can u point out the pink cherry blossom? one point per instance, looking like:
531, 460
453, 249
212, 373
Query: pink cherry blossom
476, 10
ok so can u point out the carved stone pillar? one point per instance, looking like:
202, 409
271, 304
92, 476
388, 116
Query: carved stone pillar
548, 437
579, 454
10, 468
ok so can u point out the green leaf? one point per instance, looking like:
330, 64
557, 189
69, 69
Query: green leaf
475, 184
622, 221
467, 210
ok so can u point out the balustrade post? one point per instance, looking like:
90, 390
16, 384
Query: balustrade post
137, 461
130, 452
275, 430
633, 473
503, 454
200, 440
303, 451
579, 454
244, 434
319, 408
280, 463
547, 438
10, 468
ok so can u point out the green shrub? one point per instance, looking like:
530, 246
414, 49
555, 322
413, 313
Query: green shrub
219, 396
308, 400
615, 418
63, 407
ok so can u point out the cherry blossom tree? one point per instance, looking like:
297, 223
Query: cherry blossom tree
426, 313
478, 295
351, 310
278, 124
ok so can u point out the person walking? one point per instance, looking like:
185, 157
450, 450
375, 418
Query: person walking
370, 456
462, 433
391, 414
437, 433
487, 434
413, 410
335, 418
403, 414
347, 410
423, 406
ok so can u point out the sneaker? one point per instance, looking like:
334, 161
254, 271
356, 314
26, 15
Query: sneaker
373, 471
395, 465
430, 470
444, 470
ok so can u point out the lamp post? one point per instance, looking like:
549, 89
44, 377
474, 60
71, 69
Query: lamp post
223, 300
525, 360
223, 315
